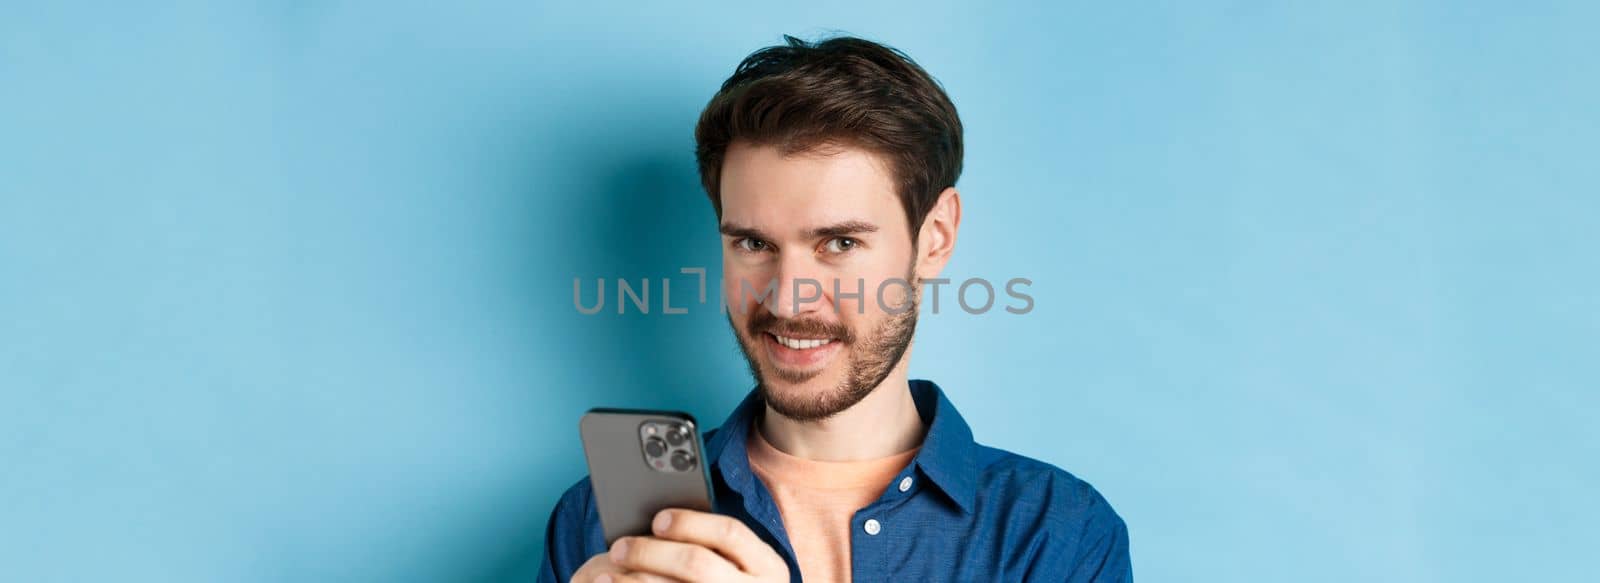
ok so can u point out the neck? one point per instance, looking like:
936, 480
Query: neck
882, 424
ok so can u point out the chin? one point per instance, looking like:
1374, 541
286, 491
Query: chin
819, 397
799, 383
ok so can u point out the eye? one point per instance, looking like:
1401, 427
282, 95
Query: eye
751, 245
840, 245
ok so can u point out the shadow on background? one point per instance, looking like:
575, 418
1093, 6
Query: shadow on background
642, 215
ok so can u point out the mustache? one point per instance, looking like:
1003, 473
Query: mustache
764, 321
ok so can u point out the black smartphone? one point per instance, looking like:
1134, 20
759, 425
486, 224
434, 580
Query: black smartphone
641, 462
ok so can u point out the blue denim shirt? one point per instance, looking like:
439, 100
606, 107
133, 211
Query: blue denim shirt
970, 513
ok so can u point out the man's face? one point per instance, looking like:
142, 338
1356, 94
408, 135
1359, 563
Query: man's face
828, 224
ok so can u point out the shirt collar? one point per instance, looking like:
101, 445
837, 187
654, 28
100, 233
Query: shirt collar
948, 457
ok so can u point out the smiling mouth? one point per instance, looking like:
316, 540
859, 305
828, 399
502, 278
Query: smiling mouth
800, 355
800, 343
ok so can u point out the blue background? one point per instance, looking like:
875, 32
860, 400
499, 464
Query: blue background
286, 287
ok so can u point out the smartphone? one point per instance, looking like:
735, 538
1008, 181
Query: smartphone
641, 462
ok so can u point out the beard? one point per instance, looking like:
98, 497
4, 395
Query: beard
870, 359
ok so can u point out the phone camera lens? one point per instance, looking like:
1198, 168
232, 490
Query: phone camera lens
677, 435
682, 460
654, 447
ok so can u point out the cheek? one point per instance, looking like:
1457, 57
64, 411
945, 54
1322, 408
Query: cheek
851, 298
742, 286
889, 276
888, 295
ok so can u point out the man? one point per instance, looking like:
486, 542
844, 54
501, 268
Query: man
832, 168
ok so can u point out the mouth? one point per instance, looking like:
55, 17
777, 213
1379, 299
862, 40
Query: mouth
800, 354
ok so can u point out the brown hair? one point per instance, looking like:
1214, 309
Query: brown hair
801, 95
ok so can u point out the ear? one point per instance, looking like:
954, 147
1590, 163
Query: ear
936, 241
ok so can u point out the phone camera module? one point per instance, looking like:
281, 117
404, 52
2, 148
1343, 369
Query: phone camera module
669, 446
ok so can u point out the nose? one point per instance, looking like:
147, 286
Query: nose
800, 288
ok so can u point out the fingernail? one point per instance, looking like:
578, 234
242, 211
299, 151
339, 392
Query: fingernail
603, 578
619, 550
662, 521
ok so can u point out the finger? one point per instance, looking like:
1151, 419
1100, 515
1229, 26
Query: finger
686, 561
640, 577
598, 569
724, 534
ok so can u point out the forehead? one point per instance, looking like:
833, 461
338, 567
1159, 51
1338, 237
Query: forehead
763, 187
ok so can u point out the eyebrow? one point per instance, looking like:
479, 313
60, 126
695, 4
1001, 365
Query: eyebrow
733, 230
835, 230
844, 228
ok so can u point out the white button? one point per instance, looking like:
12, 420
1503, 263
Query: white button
872, 526
905, 483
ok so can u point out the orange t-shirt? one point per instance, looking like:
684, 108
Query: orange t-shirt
818, 499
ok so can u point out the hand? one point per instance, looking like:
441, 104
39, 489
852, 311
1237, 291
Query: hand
596, 567
695, 546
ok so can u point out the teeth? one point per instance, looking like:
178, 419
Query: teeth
801, 344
